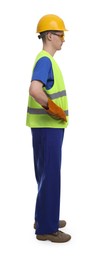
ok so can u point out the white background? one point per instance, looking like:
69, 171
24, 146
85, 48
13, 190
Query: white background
81, 63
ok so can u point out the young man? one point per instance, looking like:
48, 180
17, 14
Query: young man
47, 116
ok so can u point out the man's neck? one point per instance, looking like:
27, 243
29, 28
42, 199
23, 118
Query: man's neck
49, 50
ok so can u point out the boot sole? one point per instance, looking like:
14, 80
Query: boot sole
48, 238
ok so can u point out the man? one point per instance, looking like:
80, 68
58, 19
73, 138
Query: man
47, 116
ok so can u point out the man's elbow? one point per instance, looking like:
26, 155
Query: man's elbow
32, 92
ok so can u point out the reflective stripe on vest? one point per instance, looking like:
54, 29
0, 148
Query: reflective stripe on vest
40, 111
57, 95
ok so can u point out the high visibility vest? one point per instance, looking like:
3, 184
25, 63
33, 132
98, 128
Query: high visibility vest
37, 116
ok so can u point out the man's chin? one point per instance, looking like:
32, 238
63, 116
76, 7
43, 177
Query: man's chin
60, 48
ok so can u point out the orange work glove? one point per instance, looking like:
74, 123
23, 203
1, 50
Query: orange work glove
55, 110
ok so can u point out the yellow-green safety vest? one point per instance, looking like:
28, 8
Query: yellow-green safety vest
37, 116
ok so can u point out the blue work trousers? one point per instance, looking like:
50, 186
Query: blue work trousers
47, 146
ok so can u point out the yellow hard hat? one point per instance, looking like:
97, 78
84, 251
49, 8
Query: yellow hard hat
50, 22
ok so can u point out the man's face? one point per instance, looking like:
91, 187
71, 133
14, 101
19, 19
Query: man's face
57, 39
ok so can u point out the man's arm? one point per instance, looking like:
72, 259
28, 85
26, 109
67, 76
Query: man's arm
37, 93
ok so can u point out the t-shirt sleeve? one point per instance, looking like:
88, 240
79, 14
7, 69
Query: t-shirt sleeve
41, 70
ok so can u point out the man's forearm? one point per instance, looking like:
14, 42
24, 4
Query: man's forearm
41, 98
37, 92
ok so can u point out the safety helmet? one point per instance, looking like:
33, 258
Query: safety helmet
50, 22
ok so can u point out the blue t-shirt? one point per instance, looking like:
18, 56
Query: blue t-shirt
43, 72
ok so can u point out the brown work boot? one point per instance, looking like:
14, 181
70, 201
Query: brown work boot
62, 223
58, 237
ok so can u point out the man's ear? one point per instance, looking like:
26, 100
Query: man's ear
49, 36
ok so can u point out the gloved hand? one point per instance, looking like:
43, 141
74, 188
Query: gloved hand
55, 110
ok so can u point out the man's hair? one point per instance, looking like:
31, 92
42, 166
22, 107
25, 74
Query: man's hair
42, 35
